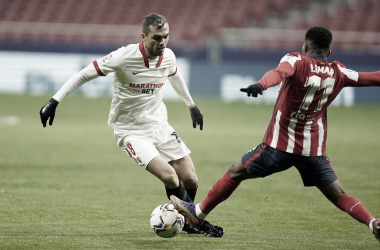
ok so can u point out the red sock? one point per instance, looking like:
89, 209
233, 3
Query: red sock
355, 208
219, 192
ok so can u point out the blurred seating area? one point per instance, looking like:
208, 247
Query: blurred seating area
192, 22
360, 15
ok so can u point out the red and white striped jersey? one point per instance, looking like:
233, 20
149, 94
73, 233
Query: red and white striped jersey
308, 86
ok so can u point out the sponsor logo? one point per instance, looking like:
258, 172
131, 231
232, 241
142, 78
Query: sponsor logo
301, 116
146, 85
145, 88
135, 73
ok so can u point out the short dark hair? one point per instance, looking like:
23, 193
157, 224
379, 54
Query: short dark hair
319, 37
154, 19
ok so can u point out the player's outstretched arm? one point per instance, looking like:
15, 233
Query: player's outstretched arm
368, 79
197, 117
253, 90
48, 111
273, 77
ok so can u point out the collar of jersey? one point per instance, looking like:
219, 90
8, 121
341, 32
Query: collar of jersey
146, 61
319, 57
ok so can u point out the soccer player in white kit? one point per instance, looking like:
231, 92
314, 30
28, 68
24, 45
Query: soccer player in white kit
138, 115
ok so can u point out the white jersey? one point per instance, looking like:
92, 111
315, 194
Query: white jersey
138, 87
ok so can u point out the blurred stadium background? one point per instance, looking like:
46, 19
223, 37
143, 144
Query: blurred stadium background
221, 44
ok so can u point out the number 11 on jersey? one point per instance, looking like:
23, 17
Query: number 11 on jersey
315, 83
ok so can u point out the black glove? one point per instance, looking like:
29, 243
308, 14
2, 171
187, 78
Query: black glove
253, 89
197, 117
48, 111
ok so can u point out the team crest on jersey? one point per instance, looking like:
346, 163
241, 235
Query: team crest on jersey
107, 58
163, 71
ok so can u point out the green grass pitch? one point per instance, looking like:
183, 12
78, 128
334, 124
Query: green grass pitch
70, 187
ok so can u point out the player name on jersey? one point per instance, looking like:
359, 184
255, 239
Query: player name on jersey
325, 69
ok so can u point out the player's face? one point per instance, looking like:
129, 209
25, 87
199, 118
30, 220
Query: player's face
156, 40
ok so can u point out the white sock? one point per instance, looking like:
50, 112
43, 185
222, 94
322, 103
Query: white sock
370, 225
199, 213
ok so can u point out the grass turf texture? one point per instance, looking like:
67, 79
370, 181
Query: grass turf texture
70, 187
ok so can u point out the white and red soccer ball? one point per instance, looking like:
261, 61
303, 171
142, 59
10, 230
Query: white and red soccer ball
166, 221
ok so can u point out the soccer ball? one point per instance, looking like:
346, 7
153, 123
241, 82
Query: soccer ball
166, 221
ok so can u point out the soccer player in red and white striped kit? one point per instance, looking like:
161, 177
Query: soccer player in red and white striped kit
296, 135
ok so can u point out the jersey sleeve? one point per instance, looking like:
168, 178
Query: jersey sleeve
85, 75
173, 60
285, 69
359, 79
181, 89
177, 81
110, 63
368, 79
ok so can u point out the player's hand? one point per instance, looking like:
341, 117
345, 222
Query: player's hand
197, 117
253, 90
48, 111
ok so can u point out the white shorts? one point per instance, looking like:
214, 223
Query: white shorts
144, 146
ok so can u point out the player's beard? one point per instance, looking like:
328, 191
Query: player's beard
155, 51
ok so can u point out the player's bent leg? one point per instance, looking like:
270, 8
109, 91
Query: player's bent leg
332, 191
351, 205
166, 173
163, 171
185, 170
239, 173
223, 188
186, 173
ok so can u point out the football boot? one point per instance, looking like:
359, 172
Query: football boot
376, 229
187, 209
